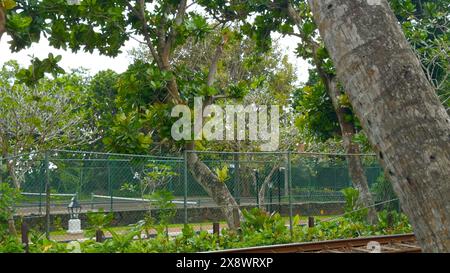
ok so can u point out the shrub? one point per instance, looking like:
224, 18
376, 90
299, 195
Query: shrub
258, 228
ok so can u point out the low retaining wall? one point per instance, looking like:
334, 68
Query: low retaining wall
195, 215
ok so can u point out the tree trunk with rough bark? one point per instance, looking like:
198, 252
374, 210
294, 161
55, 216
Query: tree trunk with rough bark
355, 166
216, 189
397, 106
12, 226
356, 170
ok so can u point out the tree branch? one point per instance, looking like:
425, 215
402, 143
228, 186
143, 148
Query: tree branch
266, 182
213, 67
313, 45
141, 15
215, 60
173, 32
161, 59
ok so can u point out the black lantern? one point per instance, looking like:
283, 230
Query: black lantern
74, 208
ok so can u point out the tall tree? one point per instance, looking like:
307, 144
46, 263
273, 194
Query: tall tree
47, 115
162, 25
284, 17
311, 49
397, 106
162, 42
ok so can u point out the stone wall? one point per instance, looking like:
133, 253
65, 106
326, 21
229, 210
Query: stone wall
195, 215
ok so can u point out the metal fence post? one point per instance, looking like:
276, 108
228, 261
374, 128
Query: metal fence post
41, 190
47, 195
289, 180
312, 188
109, 186
269, 207
286, 180
92, 201
257, 186
80, 185
279, 188
237, 181
185, 187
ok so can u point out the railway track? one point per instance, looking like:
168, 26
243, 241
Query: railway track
379, 244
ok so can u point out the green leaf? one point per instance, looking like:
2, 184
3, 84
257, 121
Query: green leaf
222, 174
19, 22
8, 4
308, 28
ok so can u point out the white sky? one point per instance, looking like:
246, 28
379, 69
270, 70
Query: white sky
96, 62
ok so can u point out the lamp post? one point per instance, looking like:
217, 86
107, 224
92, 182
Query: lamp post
74, 209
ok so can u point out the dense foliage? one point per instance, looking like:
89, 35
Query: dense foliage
222, 50
258, 228
48, 114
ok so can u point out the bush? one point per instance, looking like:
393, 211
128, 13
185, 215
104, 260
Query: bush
10, 244
258, 228
353, 210
8, 198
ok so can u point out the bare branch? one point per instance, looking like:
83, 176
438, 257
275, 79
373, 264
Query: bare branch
141, 15
267, 180
173, 33
215, 60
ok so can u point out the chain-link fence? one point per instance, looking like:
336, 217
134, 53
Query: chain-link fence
201, 185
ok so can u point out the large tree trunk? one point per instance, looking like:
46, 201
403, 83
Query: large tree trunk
355, 166
217, 190
356, 170
12, 226
398, 108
